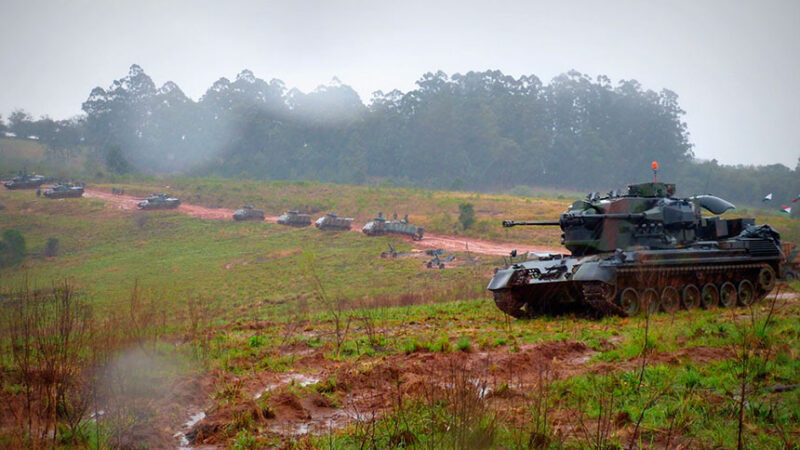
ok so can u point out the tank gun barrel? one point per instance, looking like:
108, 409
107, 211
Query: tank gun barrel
568, 218
511, 223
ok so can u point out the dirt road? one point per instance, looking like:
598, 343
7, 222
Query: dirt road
431, 240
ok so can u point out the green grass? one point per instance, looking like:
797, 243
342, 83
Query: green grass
272, 287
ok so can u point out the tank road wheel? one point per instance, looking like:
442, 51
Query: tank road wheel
508, 303
746, 293
727, 294
691, 297
629, 302
766, 279
709, 296
650, 301
670, 300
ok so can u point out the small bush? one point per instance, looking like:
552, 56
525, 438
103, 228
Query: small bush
244, 440
463, 344
51, 247
12, 248
466, 215
256, 341
412, 346
441, 345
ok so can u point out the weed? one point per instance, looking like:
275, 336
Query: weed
463, 344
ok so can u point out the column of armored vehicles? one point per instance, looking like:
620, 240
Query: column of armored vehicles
644, 250
331, 221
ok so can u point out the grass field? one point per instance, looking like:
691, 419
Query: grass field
294, 338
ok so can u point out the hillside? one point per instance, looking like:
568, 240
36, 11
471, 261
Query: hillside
254, 334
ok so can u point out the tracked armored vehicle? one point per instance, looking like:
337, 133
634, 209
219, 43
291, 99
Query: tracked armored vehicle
380, 226
24, 182
248, 213
332, 221
64, 191
294, 219
159, 201
640, 252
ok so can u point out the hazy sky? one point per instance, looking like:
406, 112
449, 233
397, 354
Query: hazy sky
734, 64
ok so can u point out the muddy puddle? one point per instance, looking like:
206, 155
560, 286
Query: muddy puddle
194, 419
287, 379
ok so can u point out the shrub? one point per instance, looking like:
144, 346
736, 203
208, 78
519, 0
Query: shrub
12, 248
463, 344
466, 215
51, 247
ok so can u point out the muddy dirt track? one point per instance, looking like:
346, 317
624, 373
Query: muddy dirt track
430, 241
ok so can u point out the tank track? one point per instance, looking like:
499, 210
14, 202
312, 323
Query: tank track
600, 299
509, 303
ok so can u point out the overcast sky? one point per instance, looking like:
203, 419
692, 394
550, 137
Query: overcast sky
734, 64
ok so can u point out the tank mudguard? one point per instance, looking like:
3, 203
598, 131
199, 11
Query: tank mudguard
500, 279
595, 271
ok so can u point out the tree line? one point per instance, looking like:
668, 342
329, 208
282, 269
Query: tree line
477, 131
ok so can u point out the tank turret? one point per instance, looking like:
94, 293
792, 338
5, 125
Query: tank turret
643, 249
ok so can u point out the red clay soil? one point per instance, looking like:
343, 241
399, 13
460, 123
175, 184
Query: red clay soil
369, 388
433, 241
461, 244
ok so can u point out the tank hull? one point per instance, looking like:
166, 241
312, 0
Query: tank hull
294, 219
379, 228
639, 281
29, 183
170, 204
241, 215
333, 223
74, 192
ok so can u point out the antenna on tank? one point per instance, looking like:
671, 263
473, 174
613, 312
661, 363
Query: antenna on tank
654, 165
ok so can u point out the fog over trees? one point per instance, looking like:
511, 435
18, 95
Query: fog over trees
476, 131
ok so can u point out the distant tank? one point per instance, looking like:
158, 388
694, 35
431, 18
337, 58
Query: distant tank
642, 251
24, 182
248, 213
294, 219
63, 191
332, 221
380, 226
159, 201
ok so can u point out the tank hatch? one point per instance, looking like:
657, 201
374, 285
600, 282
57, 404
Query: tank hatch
651, 190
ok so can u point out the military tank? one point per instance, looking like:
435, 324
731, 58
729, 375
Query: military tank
332, 221
64, 191
294, 219
640, 252
248, 213
380, 226
159, 201
24, 182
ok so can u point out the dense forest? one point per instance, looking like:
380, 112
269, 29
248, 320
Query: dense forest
476, 131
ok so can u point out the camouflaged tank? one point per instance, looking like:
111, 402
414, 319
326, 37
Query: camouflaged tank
24, 182
294, 219
332, 221
248, 213
380, 226
642, 251
64, 191
159, 201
